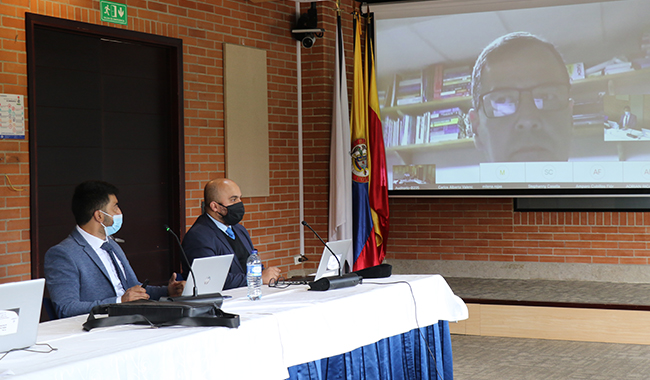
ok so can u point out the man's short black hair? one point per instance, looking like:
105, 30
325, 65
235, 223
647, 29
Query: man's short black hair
505, 44
626, 108
90, 196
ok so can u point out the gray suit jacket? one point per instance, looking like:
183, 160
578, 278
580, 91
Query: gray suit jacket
77, 279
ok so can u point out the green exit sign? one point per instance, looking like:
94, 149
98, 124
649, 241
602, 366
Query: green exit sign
113, 12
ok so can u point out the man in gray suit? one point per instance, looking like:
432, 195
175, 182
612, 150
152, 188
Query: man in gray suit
88, 268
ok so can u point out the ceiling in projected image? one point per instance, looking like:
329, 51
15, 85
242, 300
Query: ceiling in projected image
567, 118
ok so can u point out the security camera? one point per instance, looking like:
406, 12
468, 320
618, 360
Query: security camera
307, 36
306, 29
308, 40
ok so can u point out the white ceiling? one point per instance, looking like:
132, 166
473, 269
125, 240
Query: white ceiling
588, 32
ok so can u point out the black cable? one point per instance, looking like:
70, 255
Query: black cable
417, 323
29, 349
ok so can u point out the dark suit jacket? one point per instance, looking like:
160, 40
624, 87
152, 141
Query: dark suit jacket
77, 279
206, 239
630, 123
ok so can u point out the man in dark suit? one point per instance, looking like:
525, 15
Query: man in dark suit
218, 232
88, 268
628, 119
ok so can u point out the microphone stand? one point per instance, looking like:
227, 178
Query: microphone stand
333, 282
217, 298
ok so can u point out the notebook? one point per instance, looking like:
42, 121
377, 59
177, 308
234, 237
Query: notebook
211, 273
20, 312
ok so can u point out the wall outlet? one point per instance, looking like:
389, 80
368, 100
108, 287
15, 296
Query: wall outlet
296, 259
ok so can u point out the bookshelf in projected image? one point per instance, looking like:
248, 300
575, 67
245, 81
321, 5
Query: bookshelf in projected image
416, 133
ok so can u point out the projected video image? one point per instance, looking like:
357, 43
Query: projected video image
521, 99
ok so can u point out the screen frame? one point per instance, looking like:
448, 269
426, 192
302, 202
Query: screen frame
383, 9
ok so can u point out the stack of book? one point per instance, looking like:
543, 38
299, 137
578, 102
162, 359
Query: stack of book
430, 127
410, 90
456, 82
613, 66
618, 68
447, 124
399, 132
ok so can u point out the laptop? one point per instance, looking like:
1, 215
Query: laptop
328, 266
211, 273
20, 312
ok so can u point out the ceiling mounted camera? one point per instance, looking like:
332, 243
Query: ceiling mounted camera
306, 29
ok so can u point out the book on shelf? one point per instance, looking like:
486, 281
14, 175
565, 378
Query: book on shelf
446, 112
618, 68
409, 89
455, 94
576, 70
456, 72
433, 77
444, 133
459, 80
439, 122
454, 87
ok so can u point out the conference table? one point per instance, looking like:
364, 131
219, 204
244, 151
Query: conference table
289, 333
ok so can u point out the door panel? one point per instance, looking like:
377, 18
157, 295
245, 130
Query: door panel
104, 104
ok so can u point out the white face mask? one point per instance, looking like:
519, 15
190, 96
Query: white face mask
117, 223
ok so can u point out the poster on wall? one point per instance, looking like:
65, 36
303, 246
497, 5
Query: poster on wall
12, 116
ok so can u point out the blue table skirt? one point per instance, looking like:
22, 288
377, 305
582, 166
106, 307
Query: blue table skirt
400, 357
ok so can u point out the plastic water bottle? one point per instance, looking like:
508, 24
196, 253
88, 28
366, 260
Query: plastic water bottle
254, 276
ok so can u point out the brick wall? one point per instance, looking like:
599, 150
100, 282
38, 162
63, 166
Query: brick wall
449, 229
203, 26
489, 230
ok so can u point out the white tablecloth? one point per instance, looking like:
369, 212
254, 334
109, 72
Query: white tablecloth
285, 328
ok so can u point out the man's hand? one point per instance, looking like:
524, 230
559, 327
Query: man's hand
135, 293
269, 274
175, 288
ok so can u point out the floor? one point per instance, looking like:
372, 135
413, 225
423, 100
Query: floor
494, 358
481, 357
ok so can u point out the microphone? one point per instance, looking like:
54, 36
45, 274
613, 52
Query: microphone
217, 298
333, 282
325, 244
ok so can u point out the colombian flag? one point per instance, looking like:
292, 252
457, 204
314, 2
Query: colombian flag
369, 179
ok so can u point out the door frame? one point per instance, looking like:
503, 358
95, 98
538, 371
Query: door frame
177, 152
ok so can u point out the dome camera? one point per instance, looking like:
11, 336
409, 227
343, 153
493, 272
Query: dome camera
306, 29
308, 40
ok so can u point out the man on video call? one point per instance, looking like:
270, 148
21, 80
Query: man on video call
218, 232
520, 97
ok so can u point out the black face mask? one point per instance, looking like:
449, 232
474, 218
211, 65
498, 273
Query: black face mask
235, 213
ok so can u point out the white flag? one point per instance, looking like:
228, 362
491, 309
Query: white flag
340, 215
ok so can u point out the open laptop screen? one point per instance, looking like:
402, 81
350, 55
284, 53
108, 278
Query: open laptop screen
328, 265
20, 311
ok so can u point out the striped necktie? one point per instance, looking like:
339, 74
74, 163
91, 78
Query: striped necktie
107, 247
